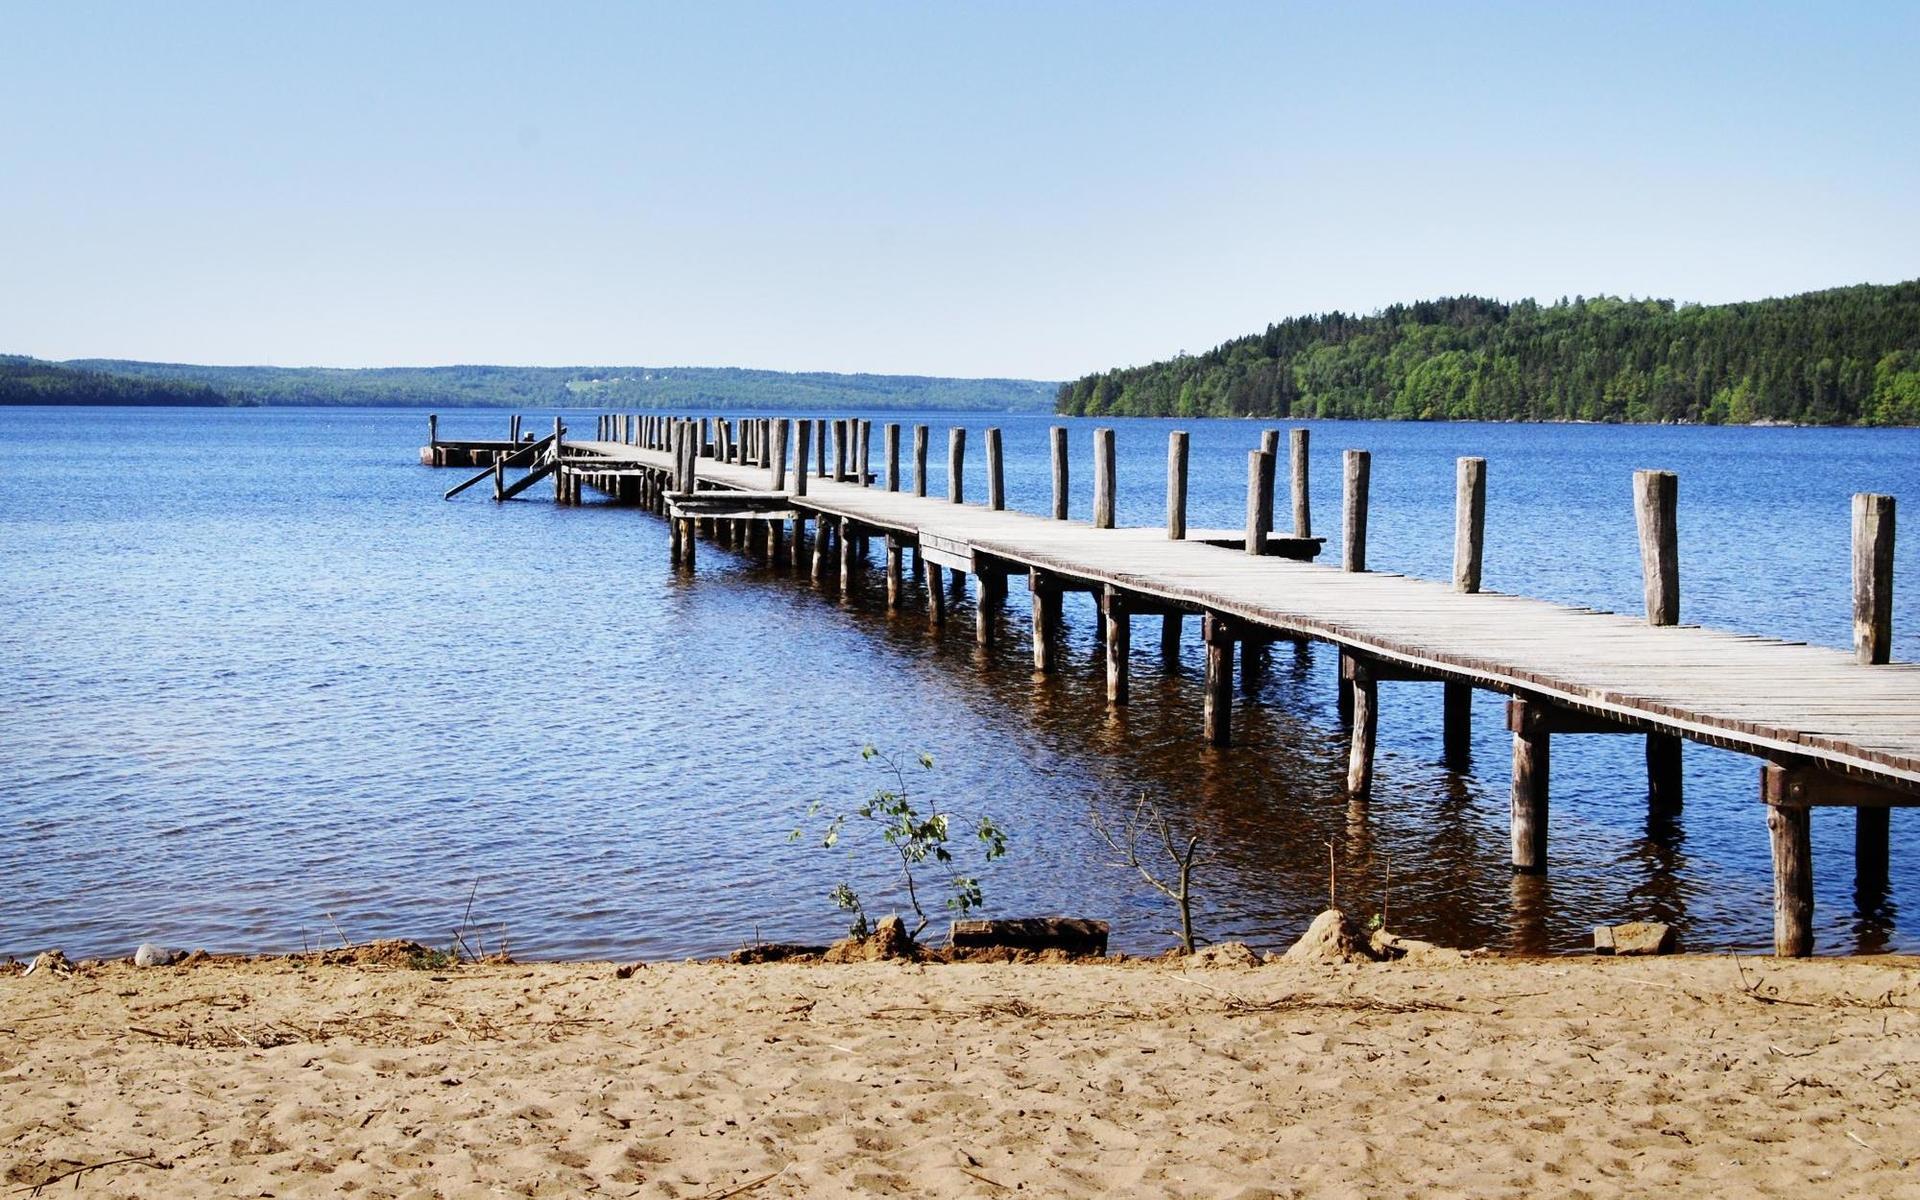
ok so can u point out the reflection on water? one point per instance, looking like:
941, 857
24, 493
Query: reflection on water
261, 674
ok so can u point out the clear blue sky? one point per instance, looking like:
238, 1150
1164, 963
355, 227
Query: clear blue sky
970, 189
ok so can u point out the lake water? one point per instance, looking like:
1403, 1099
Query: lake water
266, 689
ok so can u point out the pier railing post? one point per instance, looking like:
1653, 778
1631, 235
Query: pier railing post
1270, 446
1259, 500
996, 472
919, 460
956, 462
1302, 500
890, 438
1872, 578
1656, 497
1103, 479
1357, 466
1057, 439
1469, 530
1177, 484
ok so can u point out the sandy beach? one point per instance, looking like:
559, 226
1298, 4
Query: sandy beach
1450, 1076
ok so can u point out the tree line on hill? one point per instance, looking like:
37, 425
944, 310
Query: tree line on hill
117, 381
1845, 356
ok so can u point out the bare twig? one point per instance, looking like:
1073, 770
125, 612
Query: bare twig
746, 1187
145, 1160
1181, 857
344, 940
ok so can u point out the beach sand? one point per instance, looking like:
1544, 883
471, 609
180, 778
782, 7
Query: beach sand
1448, 1076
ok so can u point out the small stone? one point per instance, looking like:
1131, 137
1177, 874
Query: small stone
150, 955
1635, 937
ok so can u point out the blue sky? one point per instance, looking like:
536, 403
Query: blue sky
970, 189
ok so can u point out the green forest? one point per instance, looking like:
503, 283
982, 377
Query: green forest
1840, 357
115, 381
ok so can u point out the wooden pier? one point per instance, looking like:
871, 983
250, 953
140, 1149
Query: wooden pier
1832, 729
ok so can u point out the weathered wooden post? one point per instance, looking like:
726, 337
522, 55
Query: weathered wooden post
989, 585
1656, 497
1366, 724
891, 440
800, 444
865, 458
849, 561
936, 595
1531, 747
1259, 500
1113, 604
820, 448
896, 552
1872, 646
1057, 437
1177, 484
1044, 592
840, 450
1790, 831
956, 459
1270, 446
1469, 528
1302, 506
499, 477
996, 472
433, 437
1103, 478
1353, 533
559, 476
1217, 713
919, 460
828, 535
778, 455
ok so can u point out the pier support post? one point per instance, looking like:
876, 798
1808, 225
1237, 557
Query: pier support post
1656, 510
1044, 592
433, 434
1358, 466
1217, 708
989, 587
1870, 836
826, 535
1531, 743
1366, 724
1259, 500
1343, 695
1113, 603
1790, 830
1872, 578
1103, 481
936, 595
919, 463
1177, 486
1057, 439
1302, 506
956, 463
559, 476
896, 554
996, 472
1469, 539
849, 560
1170, 640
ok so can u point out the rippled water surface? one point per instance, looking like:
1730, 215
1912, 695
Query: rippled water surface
267, 689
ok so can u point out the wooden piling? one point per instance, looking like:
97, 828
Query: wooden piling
1170, 639
777, 454
1469, 534
1057, 438
849, 561
820, 448
1270, 446
896, 555
956, 459
1790, 831
840, 450
936, 595
890, 439
919, 462
863, 460
1656, 508
1872, 578
1177, 484
559, 476
996, 472
1302, 504
800, 444
433, 430
1366, 725
1044, 592
1217, 711
827, 534
986, 608
1119, 638
1259, 500
1353, 533
1531, 762
1103, 478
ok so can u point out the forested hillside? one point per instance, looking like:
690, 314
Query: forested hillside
590, 387
1846, 356
30, 381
